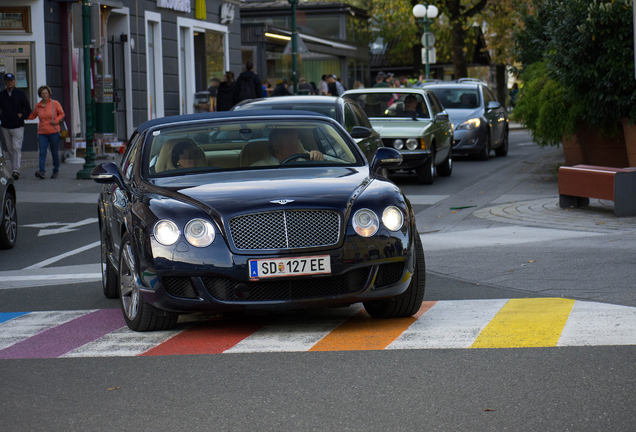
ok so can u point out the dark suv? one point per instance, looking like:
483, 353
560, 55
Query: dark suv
480, 122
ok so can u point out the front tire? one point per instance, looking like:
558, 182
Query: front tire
446, 168
109, 275
9, 223
410, 301
484, 154
502, 150
139, 315
426, 173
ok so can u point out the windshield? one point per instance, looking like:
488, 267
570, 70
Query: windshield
388, 105
320, 108
457, 98
245, 145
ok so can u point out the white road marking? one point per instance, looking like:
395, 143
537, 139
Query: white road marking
50, 276
65, 227
62, 256
449, 324
58, 197
593, 323
501, 236
426, 199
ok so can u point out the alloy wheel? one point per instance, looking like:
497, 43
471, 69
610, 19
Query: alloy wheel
10, 221
129, 286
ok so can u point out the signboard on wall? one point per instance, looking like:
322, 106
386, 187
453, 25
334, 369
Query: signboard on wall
178, 5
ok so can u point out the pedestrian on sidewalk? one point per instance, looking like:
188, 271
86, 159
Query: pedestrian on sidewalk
50, 114
227, 94
249, 84
15, 108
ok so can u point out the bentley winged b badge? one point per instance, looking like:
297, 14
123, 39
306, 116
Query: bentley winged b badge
281, 201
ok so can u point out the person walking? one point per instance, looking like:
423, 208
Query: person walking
249, 84
50, 114
227, 95
14, 109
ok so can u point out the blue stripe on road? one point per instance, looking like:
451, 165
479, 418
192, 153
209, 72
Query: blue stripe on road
6, 316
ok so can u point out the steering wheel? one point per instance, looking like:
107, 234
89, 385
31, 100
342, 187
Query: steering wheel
296, 156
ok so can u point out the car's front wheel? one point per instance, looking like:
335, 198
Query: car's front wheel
109, 275
139, 315
502, 150
9, 227
446, 168
409, 302
426, 173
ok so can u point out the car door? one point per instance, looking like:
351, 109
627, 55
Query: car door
496, 118
375, 140
439, 129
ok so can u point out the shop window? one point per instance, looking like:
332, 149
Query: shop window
14, 19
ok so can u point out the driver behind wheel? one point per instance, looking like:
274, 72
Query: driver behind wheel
284, 143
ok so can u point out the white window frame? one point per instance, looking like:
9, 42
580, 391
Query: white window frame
191, 26
155, 18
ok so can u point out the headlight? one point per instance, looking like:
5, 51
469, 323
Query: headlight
199, 233
398, 144
166, 232
471, 124
392, 218
365, 222
411, 143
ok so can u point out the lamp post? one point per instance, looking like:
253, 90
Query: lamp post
89, 164
294, 42
425, 13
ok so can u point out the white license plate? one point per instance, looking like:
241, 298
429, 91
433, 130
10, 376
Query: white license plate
297, 266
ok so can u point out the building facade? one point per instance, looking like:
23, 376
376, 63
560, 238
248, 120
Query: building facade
148, 58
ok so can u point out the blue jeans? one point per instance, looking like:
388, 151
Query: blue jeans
54, 141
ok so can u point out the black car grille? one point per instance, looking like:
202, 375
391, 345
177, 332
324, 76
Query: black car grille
285, 229
178, 286
389, 274
293, 289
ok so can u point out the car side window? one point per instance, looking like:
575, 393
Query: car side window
437, 107
128, 162
488, 97
349, 117
361, 117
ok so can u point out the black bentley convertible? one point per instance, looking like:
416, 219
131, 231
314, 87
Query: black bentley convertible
243, 210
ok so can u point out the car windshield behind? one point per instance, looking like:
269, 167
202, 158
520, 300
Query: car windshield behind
210, 147
320, 108
457, 98
389, 105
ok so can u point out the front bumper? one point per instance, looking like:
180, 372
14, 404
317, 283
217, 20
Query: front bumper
412, 159
362, 269
468, 142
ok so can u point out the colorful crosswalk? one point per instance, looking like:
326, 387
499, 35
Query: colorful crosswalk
498, 323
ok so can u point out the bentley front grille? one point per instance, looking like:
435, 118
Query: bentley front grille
285, 229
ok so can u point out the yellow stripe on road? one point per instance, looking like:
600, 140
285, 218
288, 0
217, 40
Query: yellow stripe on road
526, 323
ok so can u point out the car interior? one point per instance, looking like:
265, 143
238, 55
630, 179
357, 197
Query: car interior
240, 145
388, 105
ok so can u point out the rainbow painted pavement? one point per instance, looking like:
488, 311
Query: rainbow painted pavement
499, 323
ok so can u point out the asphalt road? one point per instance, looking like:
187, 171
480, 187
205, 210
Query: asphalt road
469, 257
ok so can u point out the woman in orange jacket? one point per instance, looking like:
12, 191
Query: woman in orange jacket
50, 113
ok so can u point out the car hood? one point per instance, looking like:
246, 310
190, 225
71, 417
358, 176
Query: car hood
229, 193
458, 116
401, 128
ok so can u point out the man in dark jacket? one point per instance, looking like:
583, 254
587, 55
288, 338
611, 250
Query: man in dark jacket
248, 84
282, 89
14, 109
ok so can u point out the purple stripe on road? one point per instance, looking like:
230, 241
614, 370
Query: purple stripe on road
61, 339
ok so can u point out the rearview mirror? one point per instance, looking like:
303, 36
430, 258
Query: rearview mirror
441, 117
493, 105
107, 173
360, 132
386, 157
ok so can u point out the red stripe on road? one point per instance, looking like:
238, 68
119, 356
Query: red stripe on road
210, 337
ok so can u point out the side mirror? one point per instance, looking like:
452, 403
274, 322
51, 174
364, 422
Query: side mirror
386, 157
493, 105
360, 132
441, 116
107, 173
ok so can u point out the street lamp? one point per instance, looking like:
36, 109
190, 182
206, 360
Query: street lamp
294, 42
425, 13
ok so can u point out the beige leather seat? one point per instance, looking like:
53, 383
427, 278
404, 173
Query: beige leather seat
164, 161
252, 152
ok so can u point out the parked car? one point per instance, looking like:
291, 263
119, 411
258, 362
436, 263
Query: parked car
8, 212
343, 110
236, 210
481, 123
413, 122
